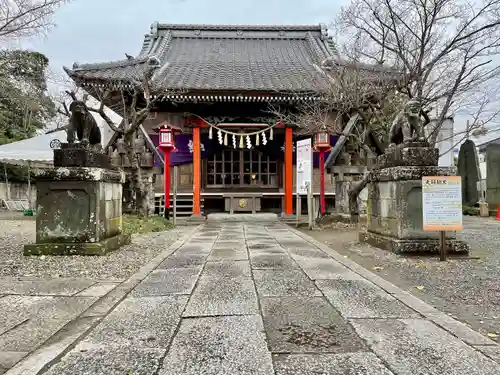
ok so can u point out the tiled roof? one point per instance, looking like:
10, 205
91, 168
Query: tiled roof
232, 58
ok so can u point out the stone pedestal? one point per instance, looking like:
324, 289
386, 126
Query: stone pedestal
79, 211
394, 205
345, 177
493, 177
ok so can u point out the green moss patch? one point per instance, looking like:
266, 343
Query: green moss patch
133, 224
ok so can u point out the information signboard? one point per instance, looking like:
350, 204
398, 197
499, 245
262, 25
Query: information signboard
442, 203
304, 165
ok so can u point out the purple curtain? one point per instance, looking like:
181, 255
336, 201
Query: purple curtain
184, 143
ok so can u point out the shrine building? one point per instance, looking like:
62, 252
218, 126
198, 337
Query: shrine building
219, 85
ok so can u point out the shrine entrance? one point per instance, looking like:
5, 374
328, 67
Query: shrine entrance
242, 170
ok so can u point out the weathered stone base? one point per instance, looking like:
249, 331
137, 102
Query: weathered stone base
415, 246
86, 248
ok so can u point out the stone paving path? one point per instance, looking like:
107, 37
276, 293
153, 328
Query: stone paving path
261, 298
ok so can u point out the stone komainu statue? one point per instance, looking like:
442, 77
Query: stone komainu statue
83, 123
407, 126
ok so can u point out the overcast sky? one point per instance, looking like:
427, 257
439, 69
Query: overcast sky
102, 30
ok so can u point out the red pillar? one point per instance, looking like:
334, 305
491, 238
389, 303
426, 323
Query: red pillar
166, 176
322, 181
196, 171
289, 171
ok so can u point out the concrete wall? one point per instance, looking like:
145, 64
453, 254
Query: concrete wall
17, 191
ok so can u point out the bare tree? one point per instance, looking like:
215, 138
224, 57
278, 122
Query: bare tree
137, 100
24, 18
444, 49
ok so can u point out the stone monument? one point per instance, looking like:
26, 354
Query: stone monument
79, 201
394, 205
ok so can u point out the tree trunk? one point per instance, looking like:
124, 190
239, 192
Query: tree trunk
140, 196
353, 193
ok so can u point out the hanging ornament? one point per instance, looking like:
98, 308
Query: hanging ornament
210, 133
241, 141
264, 140
249, 142
219, 136
271, 134
234, 141
257, 139
225, 139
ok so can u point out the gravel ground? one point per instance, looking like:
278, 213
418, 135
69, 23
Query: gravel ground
467, 288
117, 265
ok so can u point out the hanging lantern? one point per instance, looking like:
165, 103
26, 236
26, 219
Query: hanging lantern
322, 139
166, 138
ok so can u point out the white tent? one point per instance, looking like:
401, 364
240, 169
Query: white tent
37, 150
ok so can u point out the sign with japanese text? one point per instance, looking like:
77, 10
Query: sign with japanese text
442, 203
304, 165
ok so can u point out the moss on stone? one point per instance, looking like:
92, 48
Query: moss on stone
95, 248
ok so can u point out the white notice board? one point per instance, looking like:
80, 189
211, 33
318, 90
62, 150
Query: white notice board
442, 203
304, 165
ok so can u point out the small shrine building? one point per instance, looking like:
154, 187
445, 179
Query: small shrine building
220, 83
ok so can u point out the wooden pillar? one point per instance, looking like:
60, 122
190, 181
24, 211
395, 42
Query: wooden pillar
289, 171
196, 171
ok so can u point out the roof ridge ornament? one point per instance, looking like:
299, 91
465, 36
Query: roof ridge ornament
154, 28
324, 31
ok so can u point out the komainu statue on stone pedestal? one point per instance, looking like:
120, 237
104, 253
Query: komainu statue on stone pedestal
407, 126
83, 123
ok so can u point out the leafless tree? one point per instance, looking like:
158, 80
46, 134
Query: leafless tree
444, 49
137, 100
25, 18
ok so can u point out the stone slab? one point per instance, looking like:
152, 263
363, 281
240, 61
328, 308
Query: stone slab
307, 325
459, 329
276, 283
227, 269
16, 311
309, 253
98, 290
317, 269
9, 359
416, 346
29, 335
329, 364
53, 347
222, 296
362, 299
226, 345
222, 253
165, 282
183, 260
78, 248
147, 322
109, 361
272, 261
492, 351
44, 287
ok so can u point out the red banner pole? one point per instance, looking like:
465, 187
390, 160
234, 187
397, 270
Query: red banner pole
322, 181
166, 176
